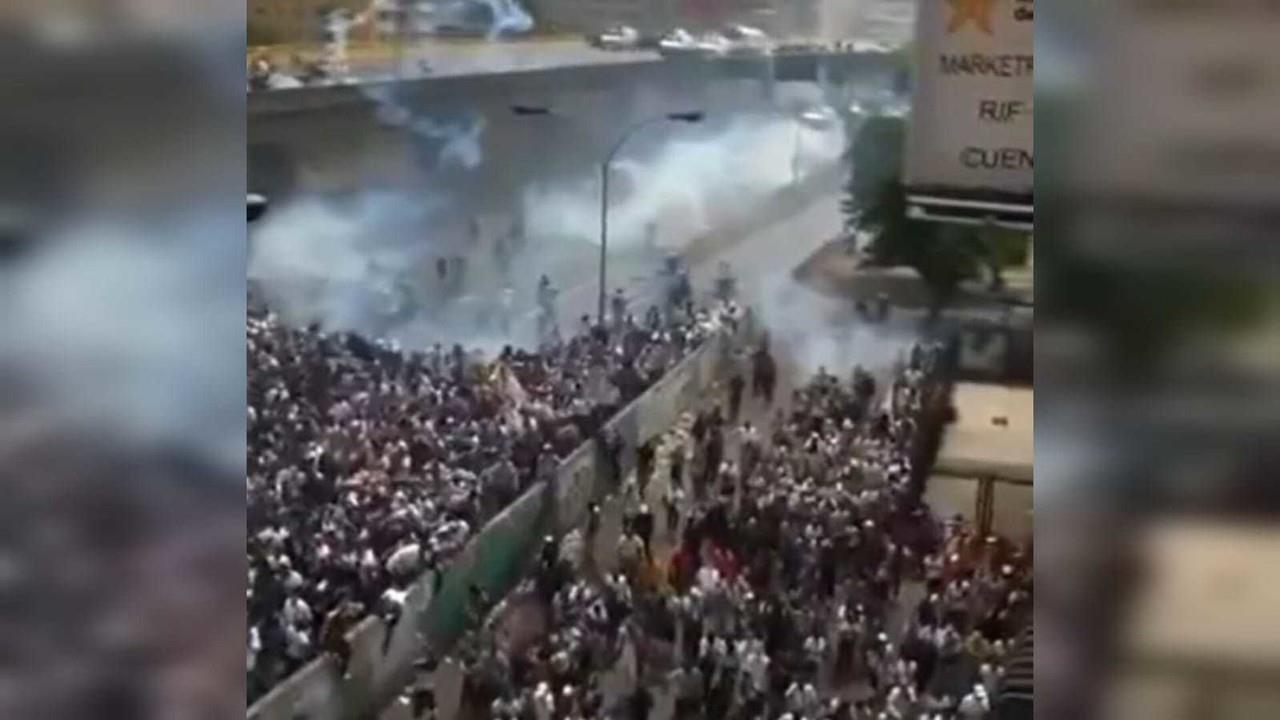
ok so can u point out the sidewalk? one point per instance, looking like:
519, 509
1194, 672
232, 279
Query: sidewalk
837, 272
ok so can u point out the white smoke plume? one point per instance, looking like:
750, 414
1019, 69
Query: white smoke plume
462, 145
337, 263
491, 18
690, 186
353, 264
104, 319
824, 332
508, 18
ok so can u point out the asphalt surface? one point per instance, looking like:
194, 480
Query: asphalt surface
468, 57
761, 260
445, 59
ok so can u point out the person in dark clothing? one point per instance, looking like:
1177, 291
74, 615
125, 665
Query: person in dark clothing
736, 386
610, 445
629, 383
593, 519
644, 466
715, 452
641, 703
763, 375
423, 702
333, 633
644, 528
699, 429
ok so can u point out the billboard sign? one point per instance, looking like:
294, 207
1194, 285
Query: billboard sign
971, 127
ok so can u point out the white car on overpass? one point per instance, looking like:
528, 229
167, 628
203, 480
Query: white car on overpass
678, 42
745, 40
617, 37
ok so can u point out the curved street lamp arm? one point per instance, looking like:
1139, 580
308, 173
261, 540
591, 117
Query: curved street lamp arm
626, 135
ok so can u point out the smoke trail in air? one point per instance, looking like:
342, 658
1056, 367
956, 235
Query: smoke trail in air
492, 19
508, 18
337, 33
462, 146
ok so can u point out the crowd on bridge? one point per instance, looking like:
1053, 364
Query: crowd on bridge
797, 574
369, 466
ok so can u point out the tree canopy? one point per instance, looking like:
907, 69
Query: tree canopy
943, 255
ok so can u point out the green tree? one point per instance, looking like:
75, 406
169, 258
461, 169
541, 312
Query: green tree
942, 255
1001, 248
877, 160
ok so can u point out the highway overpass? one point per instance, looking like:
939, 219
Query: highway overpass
831, 67
329, 139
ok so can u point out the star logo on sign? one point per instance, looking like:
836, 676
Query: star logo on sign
977, 11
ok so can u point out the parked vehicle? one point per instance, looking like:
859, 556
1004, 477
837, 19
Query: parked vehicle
678, 42
617, 37
746, 40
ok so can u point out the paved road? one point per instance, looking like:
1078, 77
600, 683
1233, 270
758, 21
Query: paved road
443, 58
762, 259
450, 58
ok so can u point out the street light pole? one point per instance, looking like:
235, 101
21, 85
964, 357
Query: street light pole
685, 117
604, 235
795, 155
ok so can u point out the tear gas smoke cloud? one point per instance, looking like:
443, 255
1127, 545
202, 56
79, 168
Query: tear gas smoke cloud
498, 18
115, 320
816, 331
122, 364
688, 187
503, 17
345, 265
321, 261
461, 141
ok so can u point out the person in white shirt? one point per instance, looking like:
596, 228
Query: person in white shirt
810, 699
297, 643
975, 705
708, 578
544, 701
297, 612
815, 647
897, 702
990, 676
795, 698
404, 561
759, 664
255, 646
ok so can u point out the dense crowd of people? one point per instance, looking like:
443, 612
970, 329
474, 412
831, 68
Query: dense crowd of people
369, 466
802, 577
